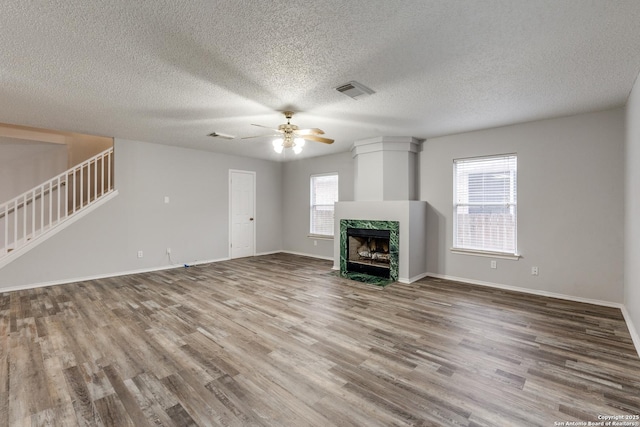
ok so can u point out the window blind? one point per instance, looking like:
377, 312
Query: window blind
324, 193
485, 204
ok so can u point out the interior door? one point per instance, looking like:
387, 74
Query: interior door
242, 205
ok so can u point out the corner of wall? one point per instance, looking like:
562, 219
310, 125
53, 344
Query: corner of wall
632, 213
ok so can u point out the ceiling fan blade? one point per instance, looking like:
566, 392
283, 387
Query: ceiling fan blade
317, 139
259, 136
312, 131
266, 127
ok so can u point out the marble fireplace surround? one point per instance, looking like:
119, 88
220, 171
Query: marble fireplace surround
411, 216
391, 226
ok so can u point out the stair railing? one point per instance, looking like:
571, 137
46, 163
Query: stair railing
37, 210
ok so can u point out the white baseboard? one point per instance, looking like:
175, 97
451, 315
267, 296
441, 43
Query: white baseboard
413, 279
129, 272
268, 253
527, 291
107, 275
309, 255
632, 331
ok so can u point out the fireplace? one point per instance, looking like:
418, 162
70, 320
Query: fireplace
369, 250
386, 193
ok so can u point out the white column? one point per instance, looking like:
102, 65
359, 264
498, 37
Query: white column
386, 168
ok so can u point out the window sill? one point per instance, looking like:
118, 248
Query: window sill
488, 254
320, 237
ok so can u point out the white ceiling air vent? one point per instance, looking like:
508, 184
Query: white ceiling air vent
220, 135
355, 90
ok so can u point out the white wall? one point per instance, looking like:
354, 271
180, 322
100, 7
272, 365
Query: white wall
194, 224
632, 208
25, 164
296, 192
570, 205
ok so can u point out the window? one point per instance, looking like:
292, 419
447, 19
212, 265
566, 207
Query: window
485, 204
324, 193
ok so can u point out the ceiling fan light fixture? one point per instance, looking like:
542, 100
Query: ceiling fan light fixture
278, 145
293, 136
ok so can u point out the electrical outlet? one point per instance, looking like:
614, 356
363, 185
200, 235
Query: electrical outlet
534, 271
168, 251
494, 263
315, 243
140, 254
166, 199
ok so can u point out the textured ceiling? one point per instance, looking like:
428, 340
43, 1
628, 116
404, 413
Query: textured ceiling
173, 71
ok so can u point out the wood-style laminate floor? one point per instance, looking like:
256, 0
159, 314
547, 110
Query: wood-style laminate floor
278, 340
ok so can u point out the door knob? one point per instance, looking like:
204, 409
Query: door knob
250, 219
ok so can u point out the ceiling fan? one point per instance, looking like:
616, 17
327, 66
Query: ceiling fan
291, 136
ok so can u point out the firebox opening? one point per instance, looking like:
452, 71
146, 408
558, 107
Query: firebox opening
368, 252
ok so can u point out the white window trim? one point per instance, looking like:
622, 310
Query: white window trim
320, 236
487, 254
477, 252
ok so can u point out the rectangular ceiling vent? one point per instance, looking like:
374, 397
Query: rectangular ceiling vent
355, 90
220, 135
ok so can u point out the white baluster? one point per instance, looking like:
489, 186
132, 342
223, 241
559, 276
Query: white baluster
6, 228
81, 187
102, 175
74, 191
33, 214
58, 200
41, 209
24, 217
15, 222
109, 170
95, 179
67, 192
50, 203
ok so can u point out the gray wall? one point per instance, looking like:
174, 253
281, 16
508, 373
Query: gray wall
296, 195
25, 164
570, 205
632, 209
194, 224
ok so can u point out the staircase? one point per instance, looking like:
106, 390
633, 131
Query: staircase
35, 214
